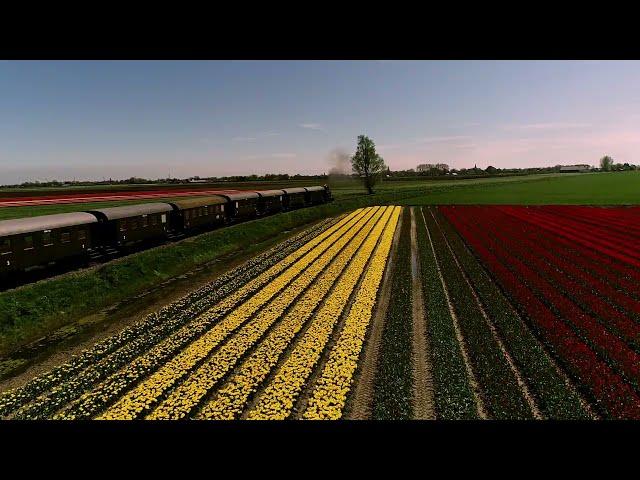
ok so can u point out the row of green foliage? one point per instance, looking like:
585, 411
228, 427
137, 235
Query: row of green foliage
453, 394
392, 395
500, 390
37, 309
554, 397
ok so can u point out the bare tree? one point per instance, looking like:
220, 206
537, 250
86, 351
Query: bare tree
367, 163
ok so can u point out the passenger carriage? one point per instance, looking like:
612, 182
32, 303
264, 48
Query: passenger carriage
32, 241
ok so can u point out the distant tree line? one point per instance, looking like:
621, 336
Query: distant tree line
269, 177
475, 171
605, 165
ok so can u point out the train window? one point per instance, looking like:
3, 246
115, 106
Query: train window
164, 218
205, 210
28, 242
123, 225
5, 246
82, 234
222, 208
145, 221
65, 237
154, 220
236, 204
47, 239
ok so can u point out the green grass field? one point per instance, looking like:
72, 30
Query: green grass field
618, 188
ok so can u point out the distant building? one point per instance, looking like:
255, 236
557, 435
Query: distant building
574, 168
426, 167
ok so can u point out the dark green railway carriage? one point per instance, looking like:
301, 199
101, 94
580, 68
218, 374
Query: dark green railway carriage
270, 201
132, 223
315, 195
294, 198
198, 213
32, 241
242, 205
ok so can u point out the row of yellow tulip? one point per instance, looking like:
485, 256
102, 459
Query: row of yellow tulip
146, 395
148, 362
230, 400
280, 395
182, 400
48, 392
330, 393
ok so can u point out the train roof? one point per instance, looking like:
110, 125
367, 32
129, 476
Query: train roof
44, 222
314, 189
240, 195
294, 190
115, 213
198, 202
270, 193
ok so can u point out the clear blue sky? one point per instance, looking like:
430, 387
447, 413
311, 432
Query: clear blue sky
151, 119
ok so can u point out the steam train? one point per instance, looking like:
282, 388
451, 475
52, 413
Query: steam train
37, 241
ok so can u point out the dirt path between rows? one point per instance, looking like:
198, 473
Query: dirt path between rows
423, 390
363, 392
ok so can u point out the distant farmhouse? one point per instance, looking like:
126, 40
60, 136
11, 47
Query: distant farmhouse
427, 167
574, 168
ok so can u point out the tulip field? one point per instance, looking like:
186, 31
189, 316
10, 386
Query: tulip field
245, 346
450, 312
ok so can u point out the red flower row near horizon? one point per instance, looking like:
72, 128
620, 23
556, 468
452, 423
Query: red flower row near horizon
573, 273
